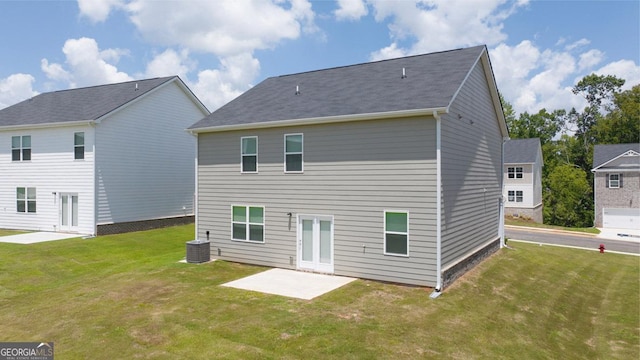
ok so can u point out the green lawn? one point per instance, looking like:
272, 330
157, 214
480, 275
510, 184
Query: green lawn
530, 223
5, 232
127, 297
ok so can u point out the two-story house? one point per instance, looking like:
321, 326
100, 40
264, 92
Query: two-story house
616, 188
99, 159
389, 170
523, 179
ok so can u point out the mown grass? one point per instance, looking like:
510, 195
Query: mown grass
127, 297
529, 223
6, 232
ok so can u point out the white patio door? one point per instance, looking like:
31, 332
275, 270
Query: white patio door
315, 243
68, 212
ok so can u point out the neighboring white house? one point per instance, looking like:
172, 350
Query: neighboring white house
616, 187
100, 159
389, 170
523, 178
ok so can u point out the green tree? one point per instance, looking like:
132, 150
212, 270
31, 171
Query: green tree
543, 125
622, 124
567, 197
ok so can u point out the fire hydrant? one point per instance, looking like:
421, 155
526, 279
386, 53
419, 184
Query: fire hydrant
601, 248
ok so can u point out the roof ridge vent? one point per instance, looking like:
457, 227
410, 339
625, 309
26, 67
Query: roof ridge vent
404, 73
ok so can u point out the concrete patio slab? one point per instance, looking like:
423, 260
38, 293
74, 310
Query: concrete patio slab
290, 283
36, 237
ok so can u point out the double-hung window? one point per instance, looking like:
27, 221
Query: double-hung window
247, 223
21, 148
614, 181
293, 149
396, 233
26, 200
78, 145
514, 172
515, 196
249, 154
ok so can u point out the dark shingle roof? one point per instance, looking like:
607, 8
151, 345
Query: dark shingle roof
521, 151
80, 104
604, 153
432, 81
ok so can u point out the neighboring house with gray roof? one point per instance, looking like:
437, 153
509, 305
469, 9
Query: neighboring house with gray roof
389, 170
616, 188
99, 159
523, 179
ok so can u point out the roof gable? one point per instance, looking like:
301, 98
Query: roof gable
521, 151
82, 104
604, 155
430, 81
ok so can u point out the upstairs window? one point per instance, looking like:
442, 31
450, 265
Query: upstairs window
21, 148
514, 172
78, 145
249, 154
293, 149
615, 181
26, 200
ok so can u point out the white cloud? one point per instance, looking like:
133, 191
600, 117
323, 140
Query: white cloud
97, 10
578, 44
216, 87
624, 69
443, 24
590, 59
351, 10
15, 88
224, 28
168, 63
86, 64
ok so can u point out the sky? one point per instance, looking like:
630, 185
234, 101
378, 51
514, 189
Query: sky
538, 49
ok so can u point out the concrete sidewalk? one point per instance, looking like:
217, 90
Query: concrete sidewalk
37, 237
290, 283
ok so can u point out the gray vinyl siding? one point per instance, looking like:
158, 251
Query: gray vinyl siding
471, 147
145, 160
353, 171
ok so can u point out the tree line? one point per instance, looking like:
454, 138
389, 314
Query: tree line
612, 116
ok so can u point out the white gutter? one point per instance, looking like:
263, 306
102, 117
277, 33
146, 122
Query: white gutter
322, 120
438, 204
48, 125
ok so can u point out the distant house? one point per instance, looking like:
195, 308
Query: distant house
523, 178
616, 187
100, 159
388, 170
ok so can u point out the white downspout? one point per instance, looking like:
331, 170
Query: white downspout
438, 208
501, 212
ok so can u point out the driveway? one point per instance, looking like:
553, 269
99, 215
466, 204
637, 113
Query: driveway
36, 237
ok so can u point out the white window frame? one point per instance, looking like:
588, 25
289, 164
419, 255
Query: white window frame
384, 235
519, 172
301, 153
26, 200
515, 196
78, 146
511, 172
21, 148
242, 155
616, 181
248, 223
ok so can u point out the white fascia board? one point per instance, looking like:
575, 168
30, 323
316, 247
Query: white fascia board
626, 153
323, 120
48, 125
